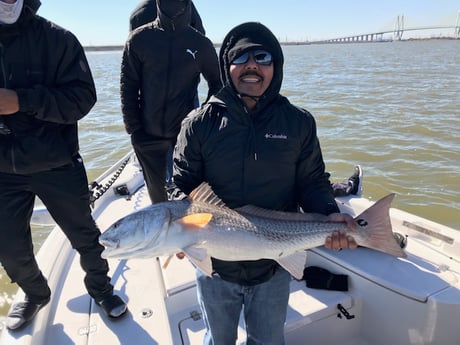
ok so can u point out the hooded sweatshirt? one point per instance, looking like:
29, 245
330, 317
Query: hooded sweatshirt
269, 157
55, 89
161, 67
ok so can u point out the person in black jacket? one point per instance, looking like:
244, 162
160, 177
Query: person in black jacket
161, 66
253, 147
46, 86
146, 11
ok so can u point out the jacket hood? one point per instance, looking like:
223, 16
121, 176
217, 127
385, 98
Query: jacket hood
174, 14
33, 5
245, 37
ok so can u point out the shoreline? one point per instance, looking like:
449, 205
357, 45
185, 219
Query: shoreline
217, 45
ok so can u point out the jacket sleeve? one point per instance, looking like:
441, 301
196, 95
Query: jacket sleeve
71, 93
313, 185
130, 79
188, 163
210, 70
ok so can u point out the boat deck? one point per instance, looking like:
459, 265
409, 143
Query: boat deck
413, 299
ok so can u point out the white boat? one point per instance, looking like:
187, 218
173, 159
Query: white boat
415, 300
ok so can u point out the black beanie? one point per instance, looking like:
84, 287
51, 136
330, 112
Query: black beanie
243, 45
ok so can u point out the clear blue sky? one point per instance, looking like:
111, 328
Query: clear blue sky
105, 22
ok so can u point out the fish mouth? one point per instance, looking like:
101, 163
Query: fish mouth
109, 247
110, 244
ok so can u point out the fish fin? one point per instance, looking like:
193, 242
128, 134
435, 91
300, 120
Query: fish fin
204, 193
196, 220
374, 226
196, 253
280, 215
294, 263
200, 259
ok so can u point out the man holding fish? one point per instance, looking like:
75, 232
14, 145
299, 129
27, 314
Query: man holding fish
253, 147
245, 163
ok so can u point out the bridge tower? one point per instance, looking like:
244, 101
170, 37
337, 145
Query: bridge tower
399, 28
457, 26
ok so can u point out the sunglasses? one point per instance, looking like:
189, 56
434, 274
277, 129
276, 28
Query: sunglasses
261, 57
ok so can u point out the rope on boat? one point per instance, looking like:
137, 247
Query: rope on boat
97, 190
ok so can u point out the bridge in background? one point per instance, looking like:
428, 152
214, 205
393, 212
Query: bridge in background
397, 33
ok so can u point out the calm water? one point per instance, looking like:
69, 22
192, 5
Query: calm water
394, 108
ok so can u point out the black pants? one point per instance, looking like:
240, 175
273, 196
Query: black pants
64, 192
153, 157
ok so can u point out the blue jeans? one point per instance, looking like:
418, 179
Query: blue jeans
264, 309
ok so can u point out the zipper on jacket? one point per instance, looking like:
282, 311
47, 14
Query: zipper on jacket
5, 84
168, 77
5, 129
254, 136
2, 63
252, 131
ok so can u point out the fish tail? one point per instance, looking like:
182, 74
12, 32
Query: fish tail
375, 230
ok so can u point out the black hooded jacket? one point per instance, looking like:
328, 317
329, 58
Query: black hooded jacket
160, 72
269, 157
47, 67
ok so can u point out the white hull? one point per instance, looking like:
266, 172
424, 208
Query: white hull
393, 301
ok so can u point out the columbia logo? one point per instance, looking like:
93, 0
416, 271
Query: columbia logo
192, 53
275, 136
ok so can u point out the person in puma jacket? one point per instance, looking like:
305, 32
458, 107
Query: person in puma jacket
252, 146
46, 86
161, 66
145, 12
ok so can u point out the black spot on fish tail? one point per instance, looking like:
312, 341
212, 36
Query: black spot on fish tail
361, 222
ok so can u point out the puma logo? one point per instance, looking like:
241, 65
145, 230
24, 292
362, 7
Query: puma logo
192, 53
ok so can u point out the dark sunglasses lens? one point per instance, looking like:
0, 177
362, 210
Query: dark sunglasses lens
262, 57
241, 59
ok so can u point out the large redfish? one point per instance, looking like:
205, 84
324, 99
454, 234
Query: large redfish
201, 226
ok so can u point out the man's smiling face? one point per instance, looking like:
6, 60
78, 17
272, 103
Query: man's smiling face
251, 78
